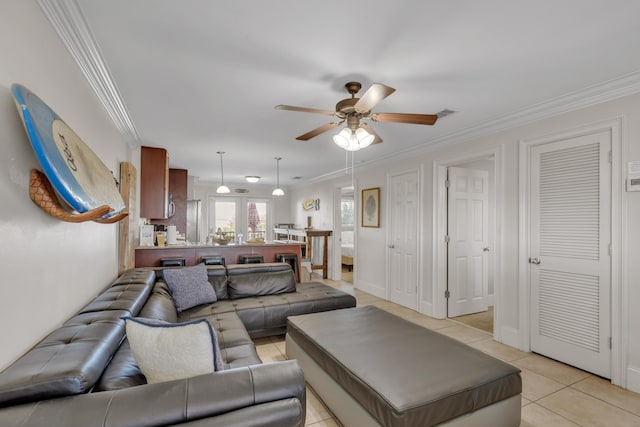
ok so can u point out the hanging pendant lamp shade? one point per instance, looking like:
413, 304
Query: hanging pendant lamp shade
223, 189
278, 191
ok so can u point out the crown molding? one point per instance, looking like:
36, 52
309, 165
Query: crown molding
69, 22
609, 90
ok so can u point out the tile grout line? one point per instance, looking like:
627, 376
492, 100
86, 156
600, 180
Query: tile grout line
551, 410
600, 399
579, 391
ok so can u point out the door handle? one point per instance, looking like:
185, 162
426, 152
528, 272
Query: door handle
391, 246
534, 260
486, 249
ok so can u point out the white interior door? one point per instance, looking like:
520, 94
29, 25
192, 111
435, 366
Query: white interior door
570, 266
403, 239
468, 231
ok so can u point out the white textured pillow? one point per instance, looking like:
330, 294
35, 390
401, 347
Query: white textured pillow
170, 351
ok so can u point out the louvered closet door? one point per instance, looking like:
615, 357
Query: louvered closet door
570, 265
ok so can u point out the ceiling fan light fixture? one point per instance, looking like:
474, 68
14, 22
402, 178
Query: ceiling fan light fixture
353, 145
342, 138
222, 189
252, 178
353, 141
364, 138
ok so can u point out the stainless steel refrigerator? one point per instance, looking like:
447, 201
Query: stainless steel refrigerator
194, 224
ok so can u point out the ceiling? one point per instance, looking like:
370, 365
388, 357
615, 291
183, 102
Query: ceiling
201, 76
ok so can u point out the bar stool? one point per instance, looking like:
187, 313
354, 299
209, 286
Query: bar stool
212, 260
250, 259
292, 260
172, 262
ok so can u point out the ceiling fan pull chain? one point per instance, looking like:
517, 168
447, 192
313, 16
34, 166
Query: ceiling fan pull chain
353, 153
346, 161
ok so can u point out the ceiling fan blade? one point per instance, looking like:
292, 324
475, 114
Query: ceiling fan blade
376, 93
369, 129
305, 110
418, 119
322, 129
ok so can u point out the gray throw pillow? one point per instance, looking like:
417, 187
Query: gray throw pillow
189, 286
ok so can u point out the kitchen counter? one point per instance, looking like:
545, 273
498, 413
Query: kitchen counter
150, 256
278, 243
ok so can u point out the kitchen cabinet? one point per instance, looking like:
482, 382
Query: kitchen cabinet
154, 183
178, 181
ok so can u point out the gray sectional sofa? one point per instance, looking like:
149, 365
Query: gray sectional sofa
85, 374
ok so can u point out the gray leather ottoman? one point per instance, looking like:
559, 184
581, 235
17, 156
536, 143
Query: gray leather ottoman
373, 368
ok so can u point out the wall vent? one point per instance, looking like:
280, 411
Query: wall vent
444, 113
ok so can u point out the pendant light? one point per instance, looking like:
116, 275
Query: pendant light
223, 189
278, 191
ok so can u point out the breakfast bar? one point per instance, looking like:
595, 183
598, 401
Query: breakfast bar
151, 256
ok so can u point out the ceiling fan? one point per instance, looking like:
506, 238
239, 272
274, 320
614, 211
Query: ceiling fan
353, 110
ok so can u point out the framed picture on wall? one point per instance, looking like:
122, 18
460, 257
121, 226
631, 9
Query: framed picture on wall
371, 207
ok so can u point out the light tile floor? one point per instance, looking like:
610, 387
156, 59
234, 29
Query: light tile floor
553, 394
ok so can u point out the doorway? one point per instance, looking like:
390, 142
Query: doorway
470, 236
347, 233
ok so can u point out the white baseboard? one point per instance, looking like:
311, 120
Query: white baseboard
633, 378
509, 336
426, 308
489, 299
371, 289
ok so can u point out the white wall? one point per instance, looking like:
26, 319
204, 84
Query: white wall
50, 269
371, 268
321, 219
371, 249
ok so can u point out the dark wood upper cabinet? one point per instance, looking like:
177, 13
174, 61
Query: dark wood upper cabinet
178, 180
154, 183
